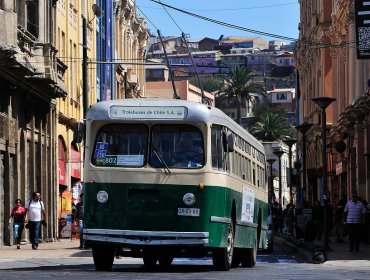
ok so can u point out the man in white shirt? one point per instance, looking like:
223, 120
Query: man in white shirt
353, 216
35, 212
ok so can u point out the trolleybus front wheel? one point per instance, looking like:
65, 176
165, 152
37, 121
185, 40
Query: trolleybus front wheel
103, 257
222, 257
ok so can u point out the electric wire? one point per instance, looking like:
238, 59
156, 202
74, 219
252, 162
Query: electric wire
231, 9
226, 24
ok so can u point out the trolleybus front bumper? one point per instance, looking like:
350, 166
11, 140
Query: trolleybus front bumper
130, 237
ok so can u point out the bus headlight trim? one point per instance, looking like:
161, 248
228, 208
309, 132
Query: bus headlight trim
102, 196
189, 199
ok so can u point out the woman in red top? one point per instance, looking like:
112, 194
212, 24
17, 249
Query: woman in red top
17, 216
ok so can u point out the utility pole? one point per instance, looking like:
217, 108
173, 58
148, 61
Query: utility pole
84, 67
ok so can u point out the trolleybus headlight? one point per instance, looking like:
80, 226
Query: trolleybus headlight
102, 196
189, 199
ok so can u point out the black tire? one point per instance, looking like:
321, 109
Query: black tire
149, 261
165, 261
222, 257
248, 256
103, 257
236, 258
270, 247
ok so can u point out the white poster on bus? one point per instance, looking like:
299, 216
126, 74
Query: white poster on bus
247, 205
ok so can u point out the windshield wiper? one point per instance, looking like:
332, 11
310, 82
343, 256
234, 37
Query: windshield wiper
159, 156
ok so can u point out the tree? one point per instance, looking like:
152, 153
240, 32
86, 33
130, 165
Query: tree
240, 86
272, 127
260, 110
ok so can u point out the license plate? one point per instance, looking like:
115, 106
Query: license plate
194, 212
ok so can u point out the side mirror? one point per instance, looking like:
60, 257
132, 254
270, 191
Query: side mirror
228, 141
79, 133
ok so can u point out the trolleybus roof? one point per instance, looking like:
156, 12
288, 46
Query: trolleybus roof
195, 112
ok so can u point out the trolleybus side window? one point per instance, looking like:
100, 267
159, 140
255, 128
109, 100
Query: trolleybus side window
217, 148
121, 145
179, 146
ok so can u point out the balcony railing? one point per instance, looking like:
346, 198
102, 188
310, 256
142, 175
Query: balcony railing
26, 40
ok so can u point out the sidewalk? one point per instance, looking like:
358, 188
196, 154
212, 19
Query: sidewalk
340, 251
337, 251
64, 248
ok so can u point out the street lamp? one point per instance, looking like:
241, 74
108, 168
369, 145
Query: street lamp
279, 153
303, 128
323, 103
272, 194
290, 143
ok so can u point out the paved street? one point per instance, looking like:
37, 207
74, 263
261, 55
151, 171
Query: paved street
62, 259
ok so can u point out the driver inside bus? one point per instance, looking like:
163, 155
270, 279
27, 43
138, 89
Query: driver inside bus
189, 155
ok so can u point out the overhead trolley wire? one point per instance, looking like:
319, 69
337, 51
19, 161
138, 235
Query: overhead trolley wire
225, 23
234, 9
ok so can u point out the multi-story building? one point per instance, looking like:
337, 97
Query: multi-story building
69, 30
184, 89
282, 96
283, 169
207, 62
241, 42
116, 42
31, 81
130, 36
328, 66
261, 62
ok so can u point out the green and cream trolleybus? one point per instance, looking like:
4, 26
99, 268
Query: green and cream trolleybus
172, 178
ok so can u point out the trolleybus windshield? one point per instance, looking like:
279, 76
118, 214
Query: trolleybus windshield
126, 145
121, 145
180, 146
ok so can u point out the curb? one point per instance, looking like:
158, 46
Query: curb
308, 251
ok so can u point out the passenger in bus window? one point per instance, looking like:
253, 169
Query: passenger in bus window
189, 155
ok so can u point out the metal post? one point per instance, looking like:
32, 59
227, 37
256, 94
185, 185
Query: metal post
175, 96
271, 197
323, 103
194, 66
84, 67
303, 128
324, 178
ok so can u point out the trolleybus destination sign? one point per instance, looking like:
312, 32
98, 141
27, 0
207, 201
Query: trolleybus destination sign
128, 112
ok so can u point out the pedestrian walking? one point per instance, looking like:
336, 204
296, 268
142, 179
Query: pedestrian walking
317, 218
79, 218
338, 219
36, 213
354, 214
17, 218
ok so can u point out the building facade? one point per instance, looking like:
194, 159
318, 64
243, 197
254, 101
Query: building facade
69, 43
328, 66
129, 50
30, 85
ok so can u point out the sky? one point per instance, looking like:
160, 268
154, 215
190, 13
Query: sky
278, 17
